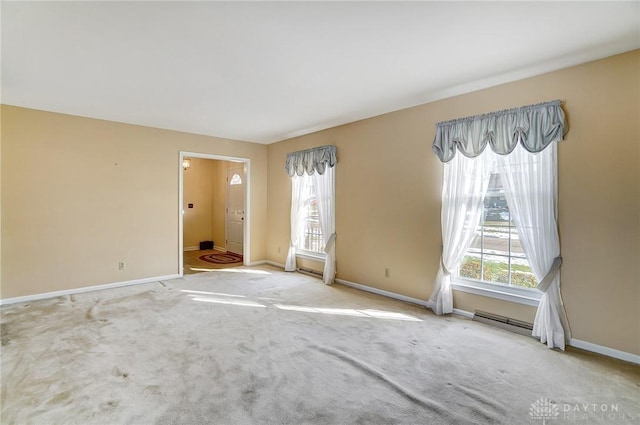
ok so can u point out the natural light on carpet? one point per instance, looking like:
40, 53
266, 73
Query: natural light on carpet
232, 302
212, 293
214, 297
350, 312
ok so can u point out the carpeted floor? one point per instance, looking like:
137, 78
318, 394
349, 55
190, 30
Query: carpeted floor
260, 346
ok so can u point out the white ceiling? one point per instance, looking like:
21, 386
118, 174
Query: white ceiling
267, 71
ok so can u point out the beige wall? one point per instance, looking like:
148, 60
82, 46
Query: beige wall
198, 187
80, 195
205, 188
388, 185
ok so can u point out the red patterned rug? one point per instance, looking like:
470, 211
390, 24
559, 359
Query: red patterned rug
222, 258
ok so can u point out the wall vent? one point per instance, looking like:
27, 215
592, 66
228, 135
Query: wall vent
309, 272
502, 322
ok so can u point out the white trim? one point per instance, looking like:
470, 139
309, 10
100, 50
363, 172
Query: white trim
382, 292
45, 295
191, 248
463, 313
606, 351
309, 255
247, 198
219, 248
588, 346
515, 295
271, 263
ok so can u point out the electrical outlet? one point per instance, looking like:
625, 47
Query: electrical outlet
387, 272
278, 250
121, 265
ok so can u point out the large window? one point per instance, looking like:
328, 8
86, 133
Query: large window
500, 173
313, 217
496, 254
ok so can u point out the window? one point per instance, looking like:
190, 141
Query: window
312, 233
496, 255
235, 179
482, 251
313, 217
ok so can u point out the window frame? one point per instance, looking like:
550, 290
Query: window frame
305, 253
301, 251
508, 291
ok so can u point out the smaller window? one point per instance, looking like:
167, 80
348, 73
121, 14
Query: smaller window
235, 179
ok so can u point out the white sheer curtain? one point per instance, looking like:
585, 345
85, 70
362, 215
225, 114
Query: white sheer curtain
530, 186
312, 174
525, 139
465, 185
298, 186
324, 187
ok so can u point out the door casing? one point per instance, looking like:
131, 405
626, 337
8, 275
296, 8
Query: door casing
247, 202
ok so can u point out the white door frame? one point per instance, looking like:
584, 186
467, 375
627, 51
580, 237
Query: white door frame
247, 200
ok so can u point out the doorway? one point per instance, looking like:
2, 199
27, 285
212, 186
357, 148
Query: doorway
212, 209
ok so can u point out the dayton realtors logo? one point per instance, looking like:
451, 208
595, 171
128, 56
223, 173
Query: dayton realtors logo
543, 410
547, 410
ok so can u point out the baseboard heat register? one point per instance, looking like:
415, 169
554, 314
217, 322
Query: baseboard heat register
502, 322
310, 272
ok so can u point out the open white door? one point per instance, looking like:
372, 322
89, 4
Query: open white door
235, 208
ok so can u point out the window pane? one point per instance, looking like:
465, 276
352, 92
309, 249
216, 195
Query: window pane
496, 269
496, 254
496, 240
476, 243
496, 211
235, 179
521, 274
312, 232
516, 246
470, 267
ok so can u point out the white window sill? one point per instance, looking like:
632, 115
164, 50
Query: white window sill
506, 293
309, 255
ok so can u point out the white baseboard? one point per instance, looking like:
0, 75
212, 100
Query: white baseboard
588, 346
197, 248
606, 351
45, 295
271, 263
382, 292
463, 313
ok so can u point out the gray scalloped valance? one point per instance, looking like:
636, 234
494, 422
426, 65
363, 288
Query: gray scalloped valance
311, 160
534, 126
